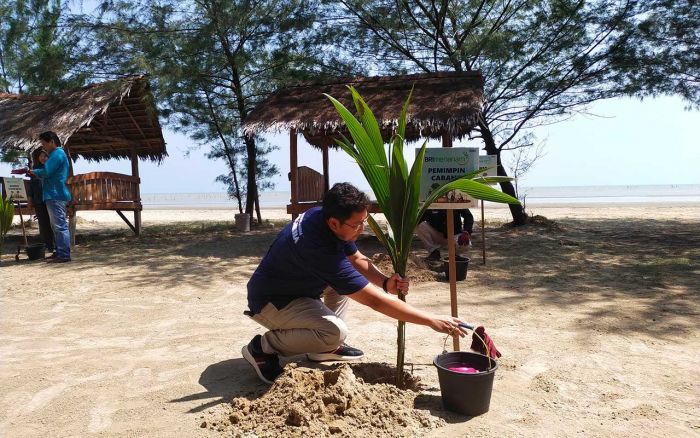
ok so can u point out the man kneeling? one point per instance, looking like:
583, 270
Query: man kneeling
315, 256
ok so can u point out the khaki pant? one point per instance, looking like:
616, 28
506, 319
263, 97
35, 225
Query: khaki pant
305, 325
433, 239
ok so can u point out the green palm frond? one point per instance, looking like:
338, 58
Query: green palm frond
397, 189
7, 214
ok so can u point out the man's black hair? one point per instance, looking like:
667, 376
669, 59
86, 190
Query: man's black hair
50, 135
342, 200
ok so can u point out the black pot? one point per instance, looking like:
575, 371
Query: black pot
36, 251
461, 263
467, 394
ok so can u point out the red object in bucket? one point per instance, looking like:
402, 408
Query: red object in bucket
464, 370
478, 346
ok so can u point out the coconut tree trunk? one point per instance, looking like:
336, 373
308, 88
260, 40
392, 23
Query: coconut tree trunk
400, 330
516, 210
401, 349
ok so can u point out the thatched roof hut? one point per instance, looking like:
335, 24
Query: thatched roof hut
97, 122
445, 103
115, 119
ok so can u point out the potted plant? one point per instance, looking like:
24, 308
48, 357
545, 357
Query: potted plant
397, 189
7, 214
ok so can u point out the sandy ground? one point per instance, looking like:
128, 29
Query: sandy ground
598, 323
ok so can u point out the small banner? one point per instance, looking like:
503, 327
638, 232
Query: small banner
490, 162
14, 188
444, 164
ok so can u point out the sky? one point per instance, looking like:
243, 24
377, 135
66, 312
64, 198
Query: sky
627, 142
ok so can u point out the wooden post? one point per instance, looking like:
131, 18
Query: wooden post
326, 176
483, 233
293, 168
446, 140
21, 221
135, 173
66, 149
72, 224
70, 212
452, 253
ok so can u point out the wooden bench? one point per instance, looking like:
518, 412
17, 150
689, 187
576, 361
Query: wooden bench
311, 188
107, 191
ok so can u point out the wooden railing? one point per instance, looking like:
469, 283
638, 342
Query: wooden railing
105, 191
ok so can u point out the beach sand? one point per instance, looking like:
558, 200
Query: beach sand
597, 319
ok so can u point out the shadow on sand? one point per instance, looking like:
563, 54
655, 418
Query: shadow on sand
224, 381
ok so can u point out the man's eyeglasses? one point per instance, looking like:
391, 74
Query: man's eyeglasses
357, 226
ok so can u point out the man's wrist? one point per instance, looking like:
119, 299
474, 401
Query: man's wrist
384, 284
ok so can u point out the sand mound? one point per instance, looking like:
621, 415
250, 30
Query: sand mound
418, 271
309, 403
536, 221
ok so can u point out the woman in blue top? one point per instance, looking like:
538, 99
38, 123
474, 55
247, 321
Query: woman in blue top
56, 195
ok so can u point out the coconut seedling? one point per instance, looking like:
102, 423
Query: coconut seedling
397, 188
7, 214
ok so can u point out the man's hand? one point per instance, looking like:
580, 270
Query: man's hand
396, 284
447, 324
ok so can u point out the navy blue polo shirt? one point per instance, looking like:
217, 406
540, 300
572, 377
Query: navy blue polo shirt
304, 259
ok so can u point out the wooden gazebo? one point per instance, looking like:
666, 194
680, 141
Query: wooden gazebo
115, 119
444, 105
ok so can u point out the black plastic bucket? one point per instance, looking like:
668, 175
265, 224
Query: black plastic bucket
36, 251
468, 394
461, 265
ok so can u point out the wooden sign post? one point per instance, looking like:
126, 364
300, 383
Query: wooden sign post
442, 165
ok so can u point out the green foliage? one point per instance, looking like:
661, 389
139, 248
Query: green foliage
12, 156
211, 62
661, 53
7, 214
543, 61
397, 188
36, 50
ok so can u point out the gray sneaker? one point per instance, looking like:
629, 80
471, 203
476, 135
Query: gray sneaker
344, 352
266, 366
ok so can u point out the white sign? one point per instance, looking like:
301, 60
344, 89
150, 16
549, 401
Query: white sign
442, 165
14, 188
490, 162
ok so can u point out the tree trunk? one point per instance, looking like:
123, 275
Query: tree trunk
252, 189
516, 210
251, 150
227, 149
257, 210
252, 194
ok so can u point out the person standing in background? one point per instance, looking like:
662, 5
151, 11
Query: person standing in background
56, 195
36, 193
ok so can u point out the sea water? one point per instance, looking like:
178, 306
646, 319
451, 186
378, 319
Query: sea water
532, 195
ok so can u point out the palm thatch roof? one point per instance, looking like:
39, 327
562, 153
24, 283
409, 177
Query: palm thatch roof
96, 122
442, 103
